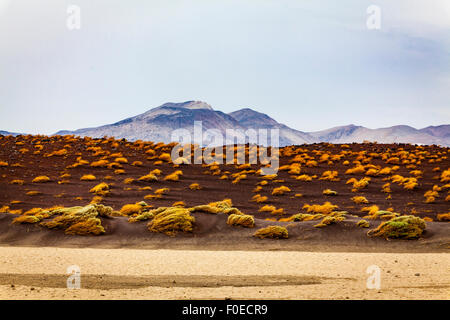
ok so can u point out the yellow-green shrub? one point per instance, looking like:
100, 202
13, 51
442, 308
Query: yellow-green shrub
90, 226
142, 217
363, 223
224, 206
273, 232
243, 220
83, 220
403, 227
303, 217
172, 220
28, 219
330, 220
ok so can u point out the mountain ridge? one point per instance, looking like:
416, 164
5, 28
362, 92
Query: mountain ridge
158, 124
7, 133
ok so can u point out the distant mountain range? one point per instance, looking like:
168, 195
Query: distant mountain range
396, 134
157, 124
7, 133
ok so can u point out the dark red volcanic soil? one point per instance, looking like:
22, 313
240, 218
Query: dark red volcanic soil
12, 151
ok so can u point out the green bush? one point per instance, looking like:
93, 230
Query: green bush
403, 227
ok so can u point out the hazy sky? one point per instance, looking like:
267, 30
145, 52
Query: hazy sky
309, 64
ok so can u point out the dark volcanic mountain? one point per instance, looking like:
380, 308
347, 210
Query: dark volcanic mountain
158, 124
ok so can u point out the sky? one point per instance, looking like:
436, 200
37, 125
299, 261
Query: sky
311, 65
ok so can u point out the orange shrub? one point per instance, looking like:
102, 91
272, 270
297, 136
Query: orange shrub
101, 189
303, 177
356, 170
33, 193
267, 208
121, 160
88, 177
443, 217
280, 191
360, 199
175, 176
162, 191
386, 188
149, 177
130, 209
165, 157
261, 199
325, 208
195, 186
329, 192
330, 176
41, 179
445, 176
19, 182
99, 164
28, 219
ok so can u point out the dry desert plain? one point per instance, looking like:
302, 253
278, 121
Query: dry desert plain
40, 273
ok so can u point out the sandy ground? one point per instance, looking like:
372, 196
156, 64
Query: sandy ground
41, 273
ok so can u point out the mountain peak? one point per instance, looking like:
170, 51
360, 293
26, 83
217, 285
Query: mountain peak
188, 105
247, 114
172, 108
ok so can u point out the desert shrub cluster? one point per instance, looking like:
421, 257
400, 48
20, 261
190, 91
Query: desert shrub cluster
399, 180
403, 227
79, 220
172, 220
